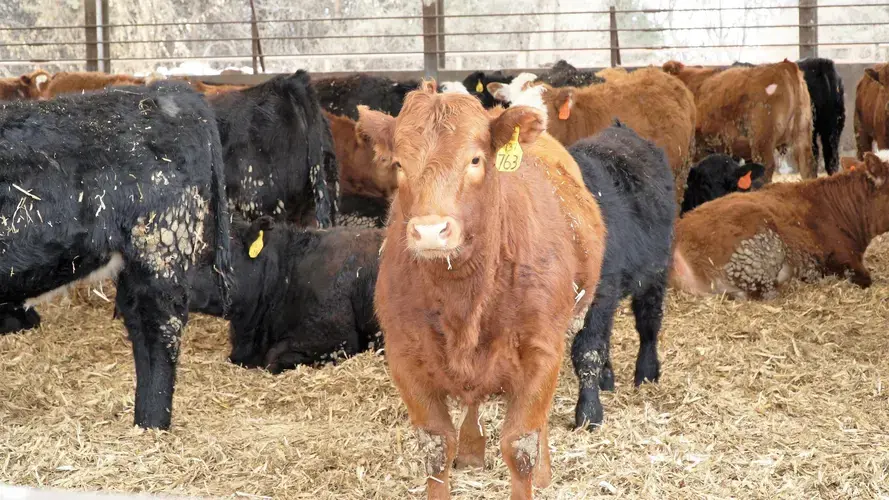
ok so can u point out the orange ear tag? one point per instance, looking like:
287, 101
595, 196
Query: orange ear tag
479, 88
509, 157
745, 182
851, 168
565, 110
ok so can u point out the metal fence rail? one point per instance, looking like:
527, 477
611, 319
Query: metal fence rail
426, 43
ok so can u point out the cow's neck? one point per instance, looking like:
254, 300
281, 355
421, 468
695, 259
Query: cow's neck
844, 200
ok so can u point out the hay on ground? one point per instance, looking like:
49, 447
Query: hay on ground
757, 400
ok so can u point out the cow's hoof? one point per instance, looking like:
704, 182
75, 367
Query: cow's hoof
589, 413
648, 369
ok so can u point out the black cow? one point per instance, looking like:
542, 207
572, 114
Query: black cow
718, 175
630, 178
15, 318
278, 151
828, 108
306, 297
563, 74
477, 85
128, 182
342, 95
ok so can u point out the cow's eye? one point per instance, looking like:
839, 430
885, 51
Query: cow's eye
397, 165
476, 160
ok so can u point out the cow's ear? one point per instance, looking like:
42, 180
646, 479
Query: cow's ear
873, 74
876, 170
531, 122
378, 128
563, 100
498, 90
749, 175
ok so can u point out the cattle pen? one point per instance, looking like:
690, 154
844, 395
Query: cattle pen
757, 399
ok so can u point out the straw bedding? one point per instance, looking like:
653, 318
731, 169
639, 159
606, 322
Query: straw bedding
757, 400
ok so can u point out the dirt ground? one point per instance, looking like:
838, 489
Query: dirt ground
784, 399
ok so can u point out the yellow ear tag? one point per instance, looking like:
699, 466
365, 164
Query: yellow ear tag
479, 88
509, 157
256, 246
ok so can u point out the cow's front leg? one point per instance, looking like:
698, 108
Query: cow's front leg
524, 442
155, 311
435, 430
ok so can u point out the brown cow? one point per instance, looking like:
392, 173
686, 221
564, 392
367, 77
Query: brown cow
752, 112
748, 245
360, 173
12, 89
75, 82
24, 87
871, 119
656, 106
480, 275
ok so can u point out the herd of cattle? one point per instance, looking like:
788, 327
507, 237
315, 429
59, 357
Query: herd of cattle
473, 223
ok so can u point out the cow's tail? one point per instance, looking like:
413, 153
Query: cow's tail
222, 220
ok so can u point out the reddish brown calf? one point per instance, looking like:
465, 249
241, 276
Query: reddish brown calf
360, 173
480, 275
748, 245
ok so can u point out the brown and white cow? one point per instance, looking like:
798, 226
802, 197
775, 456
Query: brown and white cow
871, 119
480, 275
655, 105
84, 81
748, 245
752, 112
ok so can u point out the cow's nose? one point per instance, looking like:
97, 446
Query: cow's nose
431, 235
433, 232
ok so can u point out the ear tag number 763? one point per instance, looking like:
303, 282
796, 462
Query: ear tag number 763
509, 157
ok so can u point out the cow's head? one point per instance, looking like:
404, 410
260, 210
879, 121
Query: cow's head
362, 171
717, 176
476, 84
35, 85
508, 92
444, 148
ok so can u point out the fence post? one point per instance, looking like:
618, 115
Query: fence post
615, 43
103, 36
90, 38
440, 29
430, 39
256, 46
808, 28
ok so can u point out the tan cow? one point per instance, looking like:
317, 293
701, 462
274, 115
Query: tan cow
482, 271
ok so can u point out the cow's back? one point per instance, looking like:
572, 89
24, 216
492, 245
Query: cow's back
96, 165
740, 104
